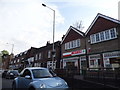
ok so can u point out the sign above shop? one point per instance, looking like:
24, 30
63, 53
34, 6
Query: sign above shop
74, 53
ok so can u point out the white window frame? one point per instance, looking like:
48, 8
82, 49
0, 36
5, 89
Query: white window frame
97, 37
36, 56
102, 36
49, 54
106, 35
72, 44
78, 43
115, 33
39, 55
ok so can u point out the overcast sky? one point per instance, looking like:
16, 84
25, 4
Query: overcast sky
26, 23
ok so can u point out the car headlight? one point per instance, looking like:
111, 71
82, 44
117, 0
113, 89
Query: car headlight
42, 86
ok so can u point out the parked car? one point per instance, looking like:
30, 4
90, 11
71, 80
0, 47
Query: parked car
11, 74
37, 77
4, 73
1, 71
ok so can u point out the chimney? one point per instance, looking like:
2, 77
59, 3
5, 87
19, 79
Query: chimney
119, 10
48, 43
63, 37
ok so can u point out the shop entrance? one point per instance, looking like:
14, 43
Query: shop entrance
71, 67
115, 62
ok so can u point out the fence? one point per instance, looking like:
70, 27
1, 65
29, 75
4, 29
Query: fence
105, 76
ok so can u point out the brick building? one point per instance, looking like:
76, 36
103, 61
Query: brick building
6, 60
103, 42
73, 52
39, 57
43, 56
23, 59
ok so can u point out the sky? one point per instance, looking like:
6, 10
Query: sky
26, 23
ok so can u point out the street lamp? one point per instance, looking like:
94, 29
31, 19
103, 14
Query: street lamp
12, 48
53, 52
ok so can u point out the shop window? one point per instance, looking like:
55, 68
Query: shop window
91, 62
83, 63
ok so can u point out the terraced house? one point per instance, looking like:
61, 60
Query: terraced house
38, 57
98, 47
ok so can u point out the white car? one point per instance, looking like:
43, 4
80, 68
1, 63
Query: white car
37, 77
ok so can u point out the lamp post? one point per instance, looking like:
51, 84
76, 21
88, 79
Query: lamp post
12, 48
11, 55
53, 51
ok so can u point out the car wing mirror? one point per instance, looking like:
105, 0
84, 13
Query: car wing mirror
28, 77
11, 74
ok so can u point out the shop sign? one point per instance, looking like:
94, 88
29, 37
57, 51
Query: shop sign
111, 54
74, 53
97, 56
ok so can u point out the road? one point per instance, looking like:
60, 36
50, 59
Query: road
5, 83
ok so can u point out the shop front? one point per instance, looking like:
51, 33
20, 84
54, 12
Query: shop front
71, 60
83, 64
94, 61
111, 59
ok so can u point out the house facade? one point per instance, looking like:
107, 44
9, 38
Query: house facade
23, 59
73, 52
45, 58
98, 47
103, 42
5, 62
38, 57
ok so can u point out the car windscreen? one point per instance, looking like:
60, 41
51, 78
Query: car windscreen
14, 72
41, 73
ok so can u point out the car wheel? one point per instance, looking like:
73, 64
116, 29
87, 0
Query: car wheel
13, 86
31, 88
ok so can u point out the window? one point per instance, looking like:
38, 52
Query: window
97, 37
92, 38
25, 73
41, 73
113, 33
18, 60
107, 35
49, 54
78, 43
72, 44
39, 55
36, 57
103, 36
67, 45
91, 62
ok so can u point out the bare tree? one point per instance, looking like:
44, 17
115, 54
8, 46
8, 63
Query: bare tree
78, 25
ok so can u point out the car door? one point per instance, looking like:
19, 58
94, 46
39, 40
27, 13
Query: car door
23, 81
